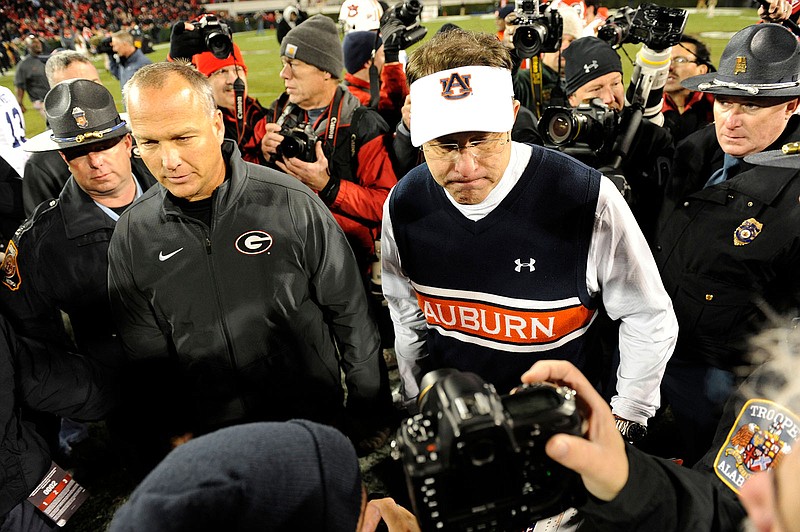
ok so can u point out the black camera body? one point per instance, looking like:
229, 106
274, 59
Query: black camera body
593, 124
299, 141
216, 36
104, 46
656, 26
408, 14
474, 460
536, 31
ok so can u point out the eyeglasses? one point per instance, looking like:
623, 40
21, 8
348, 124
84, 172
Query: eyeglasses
681, 60
479, 149
226, 71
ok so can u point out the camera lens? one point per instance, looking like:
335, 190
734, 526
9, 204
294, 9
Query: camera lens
528, 39
219, 44
291, 147
561, 128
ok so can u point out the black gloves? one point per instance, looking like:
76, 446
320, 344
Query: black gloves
392, 34
183, 43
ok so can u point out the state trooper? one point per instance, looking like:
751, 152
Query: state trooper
728, 238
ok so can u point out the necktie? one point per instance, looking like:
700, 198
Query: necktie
723, 173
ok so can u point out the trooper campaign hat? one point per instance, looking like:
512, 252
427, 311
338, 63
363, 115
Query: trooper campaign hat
762, 60
80, 113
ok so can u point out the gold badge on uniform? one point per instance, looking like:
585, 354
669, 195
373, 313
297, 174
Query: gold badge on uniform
80, 117
741, 65
11, 276
747, 231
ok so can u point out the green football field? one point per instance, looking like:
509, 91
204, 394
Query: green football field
261, 53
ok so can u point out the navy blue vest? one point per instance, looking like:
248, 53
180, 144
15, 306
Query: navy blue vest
508, 290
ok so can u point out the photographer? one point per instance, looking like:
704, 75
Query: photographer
225, 76
365, 56
687, 111
341, 146
483, 242
594, 72
126, 59
553, 91
374, 72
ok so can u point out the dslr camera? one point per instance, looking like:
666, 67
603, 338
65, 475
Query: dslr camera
408, 14
536, 31
299, 141
216, 36
474, 460
593, 124
104, 46
655, 26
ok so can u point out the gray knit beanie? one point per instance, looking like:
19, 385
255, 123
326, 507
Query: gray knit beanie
315, 41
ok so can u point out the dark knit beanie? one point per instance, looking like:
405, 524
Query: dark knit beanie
315, 41
504, 11
290, 476
586, 59
357, 47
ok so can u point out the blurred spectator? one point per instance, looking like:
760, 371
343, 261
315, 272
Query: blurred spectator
12, 131
127, 59
364, 52
292, 16
500, 19
67, 38
30, 76
687, 111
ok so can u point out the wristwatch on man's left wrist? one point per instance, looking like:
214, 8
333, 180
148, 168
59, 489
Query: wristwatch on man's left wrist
632, 432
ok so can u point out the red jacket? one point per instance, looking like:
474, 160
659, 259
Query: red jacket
394, 90
364, 177
249, 146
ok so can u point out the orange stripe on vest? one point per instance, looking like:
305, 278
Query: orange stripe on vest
502, 324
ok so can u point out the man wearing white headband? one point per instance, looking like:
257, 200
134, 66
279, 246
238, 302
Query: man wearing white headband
495, 252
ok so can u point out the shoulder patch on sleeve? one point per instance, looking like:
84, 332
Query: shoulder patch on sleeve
763, 434
11, 278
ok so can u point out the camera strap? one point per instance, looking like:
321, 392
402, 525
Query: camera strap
536, 85
238, 91
334, 115
374, 77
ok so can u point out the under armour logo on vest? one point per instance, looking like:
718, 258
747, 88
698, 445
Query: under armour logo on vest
528, 265
592, 66
456, 82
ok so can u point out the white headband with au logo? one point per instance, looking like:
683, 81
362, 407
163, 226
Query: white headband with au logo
470, 98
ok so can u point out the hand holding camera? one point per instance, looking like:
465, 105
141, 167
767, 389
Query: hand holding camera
475, 459
599, 457
206, 33
400, 26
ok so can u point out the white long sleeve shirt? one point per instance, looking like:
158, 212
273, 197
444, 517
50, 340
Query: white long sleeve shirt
620, 268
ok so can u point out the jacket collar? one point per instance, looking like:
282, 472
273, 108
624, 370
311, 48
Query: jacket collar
230, 189
80, 213
765, 186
